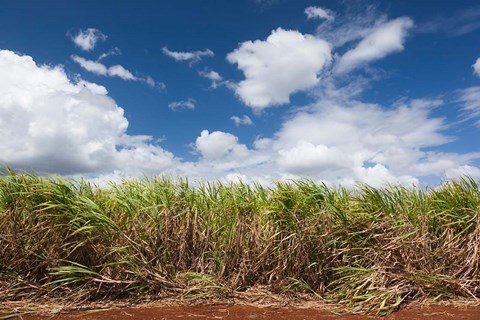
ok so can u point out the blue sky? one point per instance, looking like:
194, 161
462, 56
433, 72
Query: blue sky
338, 91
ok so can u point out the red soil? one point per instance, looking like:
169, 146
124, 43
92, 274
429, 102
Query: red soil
237, 312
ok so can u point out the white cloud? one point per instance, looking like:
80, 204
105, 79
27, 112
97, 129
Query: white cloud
245, 120
121, 72
100, 69
463, 171
358, 142
387, 38
92, 66
222, 157
154, 84
93, 87
87, 39
470, 98
319, 13
306, 158
338, 141
112, 52
214, 77
236, 178
182, 104
286, 62
216, 80
192, 56
114, 71
354, 24
476, 67
52, 125
149, 80
216, 144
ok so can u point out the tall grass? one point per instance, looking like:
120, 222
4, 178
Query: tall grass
367, 249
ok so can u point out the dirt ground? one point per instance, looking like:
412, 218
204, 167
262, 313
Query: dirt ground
245, 311
237, 312
256, 303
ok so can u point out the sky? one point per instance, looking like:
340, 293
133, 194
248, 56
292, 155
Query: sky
341, 92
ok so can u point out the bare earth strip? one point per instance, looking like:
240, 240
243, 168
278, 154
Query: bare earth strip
251, 306
237, 312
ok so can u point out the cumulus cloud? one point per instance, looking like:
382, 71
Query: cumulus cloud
306, 158
286, 62
289, 61
223, 157
191, 56
182, 104
245, 120
88, 38
319, 13
52, 125
387, 38
215, 145
354, 139
353, 142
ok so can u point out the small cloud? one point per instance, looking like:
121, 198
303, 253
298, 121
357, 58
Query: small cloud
153, 84
119, 71
161, 85
182, 104
354, 24
92, 66
112, 52
216, 79
212, 75
100, 69
245, 120
319, 13
150, 81
87, 39
476, 67
470, 98
387, 38
192, 56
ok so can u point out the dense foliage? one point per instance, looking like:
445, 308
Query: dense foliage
367, 249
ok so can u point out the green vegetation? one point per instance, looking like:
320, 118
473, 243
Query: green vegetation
368, 250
